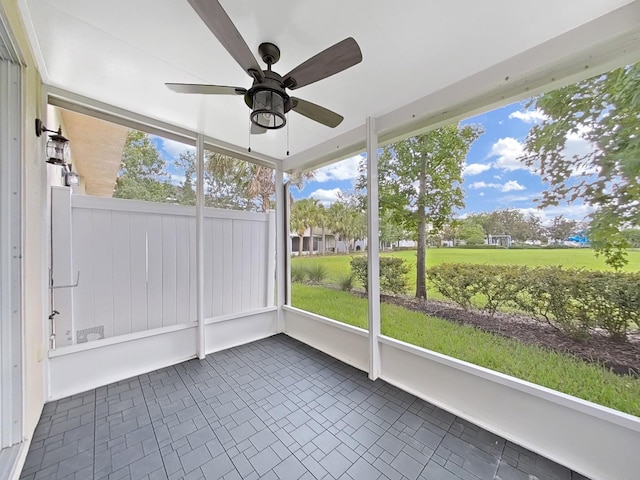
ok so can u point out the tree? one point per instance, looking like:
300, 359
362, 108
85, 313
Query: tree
561, 228
472, 234
262, 185
345, 218
301, 219
390, 232
509, 222
227, 182
186, 194
535, 227
420, 183
603, 111
632, 236
143, 175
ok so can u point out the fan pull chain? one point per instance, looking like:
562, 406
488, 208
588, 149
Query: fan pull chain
288, 123
249, 149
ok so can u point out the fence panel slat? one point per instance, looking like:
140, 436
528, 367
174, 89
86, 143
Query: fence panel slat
239, 288
182, 270
121, 261
217, 270
228, 274
255, 266
138, 246
154, 271
83, 308
169, 280
192, 271
209, 235
103, 271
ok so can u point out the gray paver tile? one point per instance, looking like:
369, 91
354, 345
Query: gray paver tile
264, 461
335, 463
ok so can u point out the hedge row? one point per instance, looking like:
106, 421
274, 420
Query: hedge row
576, 301
393, 273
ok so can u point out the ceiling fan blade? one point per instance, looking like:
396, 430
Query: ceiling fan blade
316, 112
214, 17
256, 130
205, 89
334, 59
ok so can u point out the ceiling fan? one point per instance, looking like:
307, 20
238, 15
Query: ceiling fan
268, 98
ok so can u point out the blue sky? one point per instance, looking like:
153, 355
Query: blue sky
494, 177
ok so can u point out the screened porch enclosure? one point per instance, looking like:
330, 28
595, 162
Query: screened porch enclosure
176, 352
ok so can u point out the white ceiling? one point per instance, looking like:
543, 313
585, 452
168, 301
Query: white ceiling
121, 52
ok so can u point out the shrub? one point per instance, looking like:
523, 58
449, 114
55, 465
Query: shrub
393, 273
499, 285
298, 273
345, 282
455, 281
558, 296
316, 273
612, 301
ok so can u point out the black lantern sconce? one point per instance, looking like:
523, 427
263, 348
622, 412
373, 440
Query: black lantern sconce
57, 145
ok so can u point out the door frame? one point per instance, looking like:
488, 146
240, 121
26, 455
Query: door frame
12, 404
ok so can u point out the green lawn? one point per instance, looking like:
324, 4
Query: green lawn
338, 265
543, 367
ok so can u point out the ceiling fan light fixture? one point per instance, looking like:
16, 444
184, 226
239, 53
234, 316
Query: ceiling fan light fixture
268, 109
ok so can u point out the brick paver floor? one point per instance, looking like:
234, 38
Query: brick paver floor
272, 409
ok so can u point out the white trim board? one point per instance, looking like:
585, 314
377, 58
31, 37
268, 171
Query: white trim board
11, 248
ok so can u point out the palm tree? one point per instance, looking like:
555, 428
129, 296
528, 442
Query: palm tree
321, 221
346, 219
302, 218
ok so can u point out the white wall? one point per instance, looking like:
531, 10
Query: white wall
344, 342
237, 329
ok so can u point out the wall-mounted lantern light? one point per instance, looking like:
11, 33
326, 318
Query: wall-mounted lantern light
57, 145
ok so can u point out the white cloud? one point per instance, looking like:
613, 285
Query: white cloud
344, 170
572, 212
509, 186
509, 199
177, 179
508, 150
483, 184
475, 168
173, 149
529, 116
326, 197
481, 194
512, 185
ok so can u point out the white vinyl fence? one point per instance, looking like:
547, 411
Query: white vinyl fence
137, 265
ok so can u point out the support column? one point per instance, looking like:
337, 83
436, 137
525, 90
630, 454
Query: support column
281, 247
200, 346
373, 245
